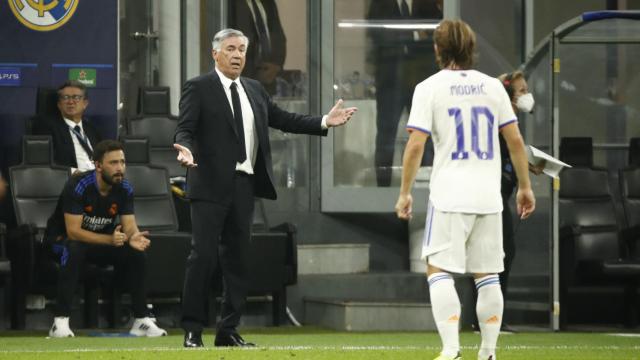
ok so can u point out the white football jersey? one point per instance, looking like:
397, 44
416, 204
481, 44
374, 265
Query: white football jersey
462, 111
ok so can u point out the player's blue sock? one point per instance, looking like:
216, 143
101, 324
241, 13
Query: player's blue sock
445, 305
489, 309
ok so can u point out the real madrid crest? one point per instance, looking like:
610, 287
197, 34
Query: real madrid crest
43, 15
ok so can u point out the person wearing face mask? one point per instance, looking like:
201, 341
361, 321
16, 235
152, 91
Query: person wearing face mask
521, 101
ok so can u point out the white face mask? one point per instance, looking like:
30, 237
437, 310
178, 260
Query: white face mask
525, 103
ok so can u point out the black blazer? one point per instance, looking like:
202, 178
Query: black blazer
64, 153
392, 49
207, 128
241, 18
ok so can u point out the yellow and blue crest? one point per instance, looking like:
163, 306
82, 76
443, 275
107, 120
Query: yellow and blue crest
43, 15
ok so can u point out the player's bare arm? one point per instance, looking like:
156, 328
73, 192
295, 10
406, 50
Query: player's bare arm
410, 165
525, 199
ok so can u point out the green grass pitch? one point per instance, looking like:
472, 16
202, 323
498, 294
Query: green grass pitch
316, 344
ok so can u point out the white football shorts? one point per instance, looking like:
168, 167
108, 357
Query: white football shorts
463, 243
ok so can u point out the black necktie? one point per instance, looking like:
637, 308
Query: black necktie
82, 139
263, 37
237, 116
404, 9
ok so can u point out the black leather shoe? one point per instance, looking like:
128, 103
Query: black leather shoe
231, 339
193, 339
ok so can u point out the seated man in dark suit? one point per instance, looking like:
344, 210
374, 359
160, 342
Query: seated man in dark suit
73, 137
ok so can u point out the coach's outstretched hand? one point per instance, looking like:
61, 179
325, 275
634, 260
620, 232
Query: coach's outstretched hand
338, 115
184, 156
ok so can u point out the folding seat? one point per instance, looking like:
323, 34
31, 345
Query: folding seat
36, 187
155, 121
577, 151
5, 272
593, 254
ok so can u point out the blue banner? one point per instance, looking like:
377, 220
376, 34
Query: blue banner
45, 39
10, 77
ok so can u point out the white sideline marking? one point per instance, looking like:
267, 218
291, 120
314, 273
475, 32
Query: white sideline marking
625, 335
307, 348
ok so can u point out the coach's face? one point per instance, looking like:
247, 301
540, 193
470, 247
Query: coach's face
231, 57
112, 167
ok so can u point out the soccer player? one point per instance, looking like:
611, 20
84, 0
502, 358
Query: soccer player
463, 110
84, 228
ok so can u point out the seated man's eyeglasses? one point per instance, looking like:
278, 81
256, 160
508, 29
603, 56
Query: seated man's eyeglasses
71, 97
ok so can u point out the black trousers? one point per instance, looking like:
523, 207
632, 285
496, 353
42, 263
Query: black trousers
221, 232
130, 265
393, 95
508, 244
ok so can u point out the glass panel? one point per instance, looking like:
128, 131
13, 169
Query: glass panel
536, 127
549, 14
605, 104
380, 54
528, 298
603, 30
138, 52
278, 58
499, 43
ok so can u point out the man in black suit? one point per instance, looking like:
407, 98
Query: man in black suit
73, 136
260, 22
222, 136
398, 60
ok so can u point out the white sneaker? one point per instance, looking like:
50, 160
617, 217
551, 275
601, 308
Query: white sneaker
445, 357
146, 327
60, 328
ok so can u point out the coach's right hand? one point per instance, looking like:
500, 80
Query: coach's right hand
184, 156
118, 238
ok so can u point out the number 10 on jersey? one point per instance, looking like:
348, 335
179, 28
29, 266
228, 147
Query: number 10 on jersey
477, 112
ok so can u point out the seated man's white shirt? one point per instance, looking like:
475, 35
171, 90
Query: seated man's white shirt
82, 158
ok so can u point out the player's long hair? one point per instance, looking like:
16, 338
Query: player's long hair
456, 44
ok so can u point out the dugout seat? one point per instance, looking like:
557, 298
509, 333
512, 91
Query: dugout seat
630, 190
155, 121
36, 187
634, 152
577, 151
5, 272
46, 106
155, 212
593, 254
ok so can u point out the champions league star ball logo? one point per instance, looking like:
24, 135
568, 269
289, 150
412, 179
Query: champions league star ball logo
43, 15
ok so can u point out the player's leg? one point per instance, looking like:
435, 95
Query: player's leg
485, 260
445, 306
72, 257
445, 235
